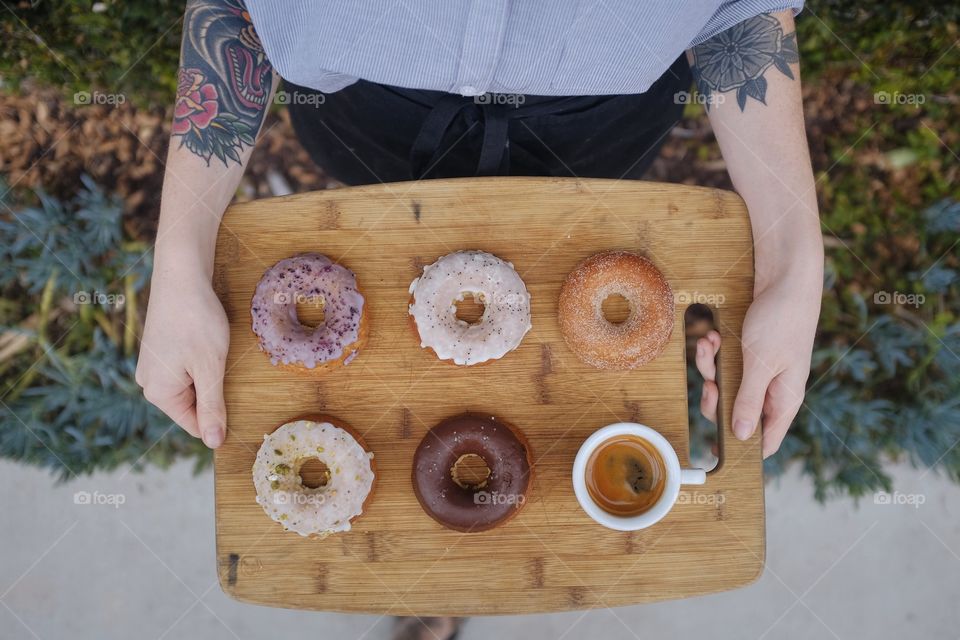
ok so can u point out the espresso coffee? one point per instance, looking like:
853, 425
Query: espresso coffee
625, 475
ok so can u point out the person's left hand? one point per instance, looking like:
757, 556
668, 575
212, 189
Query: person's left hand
778, 334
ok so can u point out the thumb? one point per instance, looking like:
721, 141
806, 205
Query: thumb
211, 412
750, 397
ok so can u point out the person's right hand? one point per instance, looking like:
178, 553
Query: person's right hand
182, 356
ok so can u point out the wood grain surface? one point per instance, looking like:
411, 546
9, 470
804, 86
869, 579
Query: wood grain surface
396, 560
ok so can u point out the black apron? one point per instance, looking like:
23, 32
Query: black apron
369, 133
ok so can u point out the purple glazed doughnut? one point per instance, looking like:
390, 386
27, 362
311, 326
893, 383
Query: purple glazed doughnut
309, 278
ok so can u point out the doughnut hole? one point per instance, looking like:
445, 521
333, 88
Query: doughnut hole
471, 308
310, 311
313, 473
616, 309
470, 471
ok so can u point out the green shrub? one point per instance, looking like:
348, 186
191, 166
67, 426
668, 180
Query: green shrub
885, 378
129, 48
70, 288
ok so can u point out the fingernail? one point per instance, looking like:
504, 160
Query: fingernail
213, 438
742, 429
700, 350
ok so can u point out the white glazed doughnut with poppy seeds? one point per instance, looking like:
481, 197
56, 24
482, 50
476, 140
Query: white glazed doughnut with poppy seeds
491, 281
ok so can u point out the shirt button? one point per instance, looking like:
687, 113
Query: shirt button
469, 90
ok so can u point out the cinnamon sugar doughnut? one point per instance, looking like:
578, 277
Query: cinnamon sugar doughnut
597, 341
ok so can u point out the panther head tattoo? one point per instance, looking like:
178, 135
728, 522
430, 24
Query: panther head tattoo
224, 36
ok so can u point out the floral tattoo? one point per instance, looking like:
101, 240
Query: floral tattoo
223, 82
739, 57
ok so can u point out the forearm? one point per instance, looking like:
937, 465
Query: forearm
193, 201
225, 84
755, 109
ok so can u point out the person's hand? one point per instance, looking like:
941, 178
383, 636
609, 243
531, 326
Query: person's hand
778, 334
182, 356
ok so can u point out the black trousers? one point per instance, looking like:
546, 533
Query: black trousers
369, 133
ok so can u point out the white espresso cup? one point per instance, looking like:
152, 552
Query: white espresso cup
674, 477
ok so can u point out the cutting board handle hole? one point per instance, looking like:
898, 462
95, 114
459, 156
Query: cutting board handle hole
314, 473
698, 320
470, 309
615, 308
470, 471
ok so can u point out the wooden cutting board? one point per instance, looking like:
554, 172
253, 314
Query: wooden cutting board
396, 560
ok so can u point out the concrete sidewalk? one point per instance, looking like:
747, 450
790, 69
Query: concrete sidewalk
146, 569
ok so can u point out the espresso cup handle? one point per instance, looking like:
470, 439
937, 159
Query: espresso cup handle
693, 476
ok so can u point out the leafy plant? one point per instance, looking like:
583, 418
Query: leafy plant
126, 48
884, 382
68, 338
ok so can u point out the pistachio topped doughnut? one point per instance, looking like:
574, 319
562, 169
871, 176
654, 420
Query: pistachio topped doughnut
321, 510
492, 282
309, 278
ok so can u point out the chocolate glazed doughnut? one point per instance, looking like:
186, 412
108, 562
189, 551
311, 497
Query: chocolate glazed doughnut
498, 498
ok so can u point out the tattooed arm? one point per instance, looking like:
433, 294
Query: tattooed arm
224, 86
223, 83
750, 76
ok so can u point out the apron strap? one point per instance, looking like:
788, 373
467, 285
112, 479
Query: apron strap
426, 146
494, 158
495, 140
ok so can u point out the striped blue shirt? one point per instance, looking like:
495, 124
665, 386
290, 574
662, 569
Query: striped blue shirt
470, 47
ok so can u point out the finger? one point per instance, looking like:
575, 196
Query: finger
784, 399
713, 336
179, 408
211, 412
772, 440
706, 359
750, 397
709, 400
